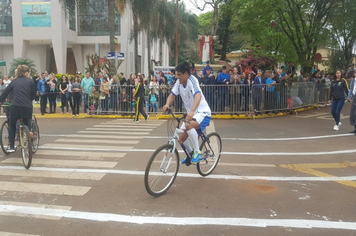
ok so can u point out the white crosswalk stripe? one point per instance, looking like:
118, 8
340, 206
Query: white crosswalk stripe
93, 148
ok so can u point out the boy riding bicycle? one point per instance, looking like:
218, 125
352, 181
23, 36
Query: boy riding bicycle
198, 110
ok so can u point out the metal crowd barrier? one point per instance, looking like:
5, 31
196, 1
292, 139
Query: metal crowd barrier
222, 99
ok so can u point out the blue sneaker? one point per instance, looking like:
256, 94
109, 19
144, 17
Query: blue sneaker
184, 161
196, 157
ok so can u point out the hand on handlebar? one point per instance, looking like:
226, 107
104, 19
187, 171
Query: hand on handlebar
164, 108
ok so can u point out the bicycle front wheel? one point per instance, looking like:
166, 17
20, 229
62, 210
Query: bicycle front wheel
26, 146
211, 151
36, 136
5, 142
161, 170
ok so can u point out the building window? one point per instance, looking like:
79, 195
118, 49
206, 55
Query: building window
5, 18
72, 20
93, 19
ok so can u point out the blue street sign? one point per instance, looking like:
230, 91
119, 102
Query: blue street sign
111, 55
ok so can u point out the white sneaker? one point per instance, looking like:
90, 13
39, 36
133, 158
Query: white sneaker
336, 128
77, 115
73, 115
135, 121
148, 116
339, 124
10, 150
67, 113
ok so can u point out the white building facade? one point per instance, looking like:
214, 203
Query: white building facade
38, 29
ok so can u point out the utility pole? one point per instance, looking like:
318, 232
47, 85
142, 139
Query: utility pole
177, 32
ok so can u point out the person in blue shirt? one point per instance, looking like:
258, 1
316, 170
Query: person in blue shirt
223, 80
207, 67
87, 85
270, 96
258, 90
41, 89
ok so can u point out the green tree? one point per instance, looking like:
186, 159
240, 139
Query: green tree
343, 28
22, 61
205, 23
299, 23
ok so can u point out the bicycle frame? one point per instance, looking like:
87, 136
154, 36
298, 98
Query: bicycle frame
176, 138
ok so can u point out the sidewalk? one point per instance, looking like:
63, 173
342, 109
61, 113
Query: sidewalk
37, 113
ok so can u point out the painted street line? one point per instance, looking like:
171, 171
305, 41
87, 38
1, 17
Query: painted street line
186, 221
269, 139
50, 174
140, 123
83, 155
120, 129
56, 189
92, 136
108, 132
124, 126
314, 114
309, 169
107, 141
69, 163
192, 175
81, 147
2, 233
126, 149
232, 139
246, 165
42, 206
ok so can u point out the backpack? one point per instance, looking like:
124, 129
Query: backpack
52, 87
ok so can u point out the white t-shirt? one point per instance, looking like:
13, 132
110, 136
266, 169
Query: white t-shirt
188, 93
7, 82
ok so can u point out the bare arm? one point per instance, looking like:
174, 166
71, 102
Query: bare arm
169, 101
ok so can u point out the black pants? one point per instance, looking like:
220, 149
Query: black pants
76, 100
43, 103
24, 113
52, 102
139, 108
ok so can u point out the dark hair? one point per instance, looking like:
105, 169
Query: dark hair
224, 67
193, 66
105, 78
42, 73
183, 67
173, 71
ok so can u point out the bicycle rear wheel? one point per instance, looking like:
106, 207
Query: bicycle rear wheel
26, 146
211, 152
36, 136
4, 137
161, 170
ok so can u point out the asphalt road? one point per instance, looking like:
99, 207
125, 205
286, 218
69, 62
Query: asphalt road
290, 175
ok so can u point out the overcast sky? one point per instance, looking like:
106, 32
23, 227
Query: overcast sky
190, 7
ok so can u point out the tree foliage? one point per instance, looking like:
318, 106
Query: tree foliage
22, 61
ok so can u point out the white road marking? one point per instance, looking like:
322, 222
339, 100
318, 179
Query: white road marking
192, 175
135, 124
98, 141
108, 132
44, 188
93, 136
41, 206
245, 165
81, 147
83, 155
69, 163
124, 126
2, 233
51, 174
269, 139
315, 114
329, 117
187, 221
126, 149
120, 129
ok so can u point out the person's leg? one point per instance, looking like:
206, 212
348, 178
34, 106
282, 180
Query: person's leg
50, 103
42, 104
149, 108
333, 110
85, 102
54, 102
14, 115
142, 111
339, 106
63, 101
137, 110
155, 106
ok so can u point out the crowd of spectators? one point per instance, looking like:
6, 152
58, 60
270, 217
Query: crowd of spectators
238, 90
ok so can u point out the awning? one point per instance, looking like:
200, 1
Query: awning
2, 63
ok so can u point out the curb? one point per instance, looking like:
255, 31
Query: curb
163, 116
